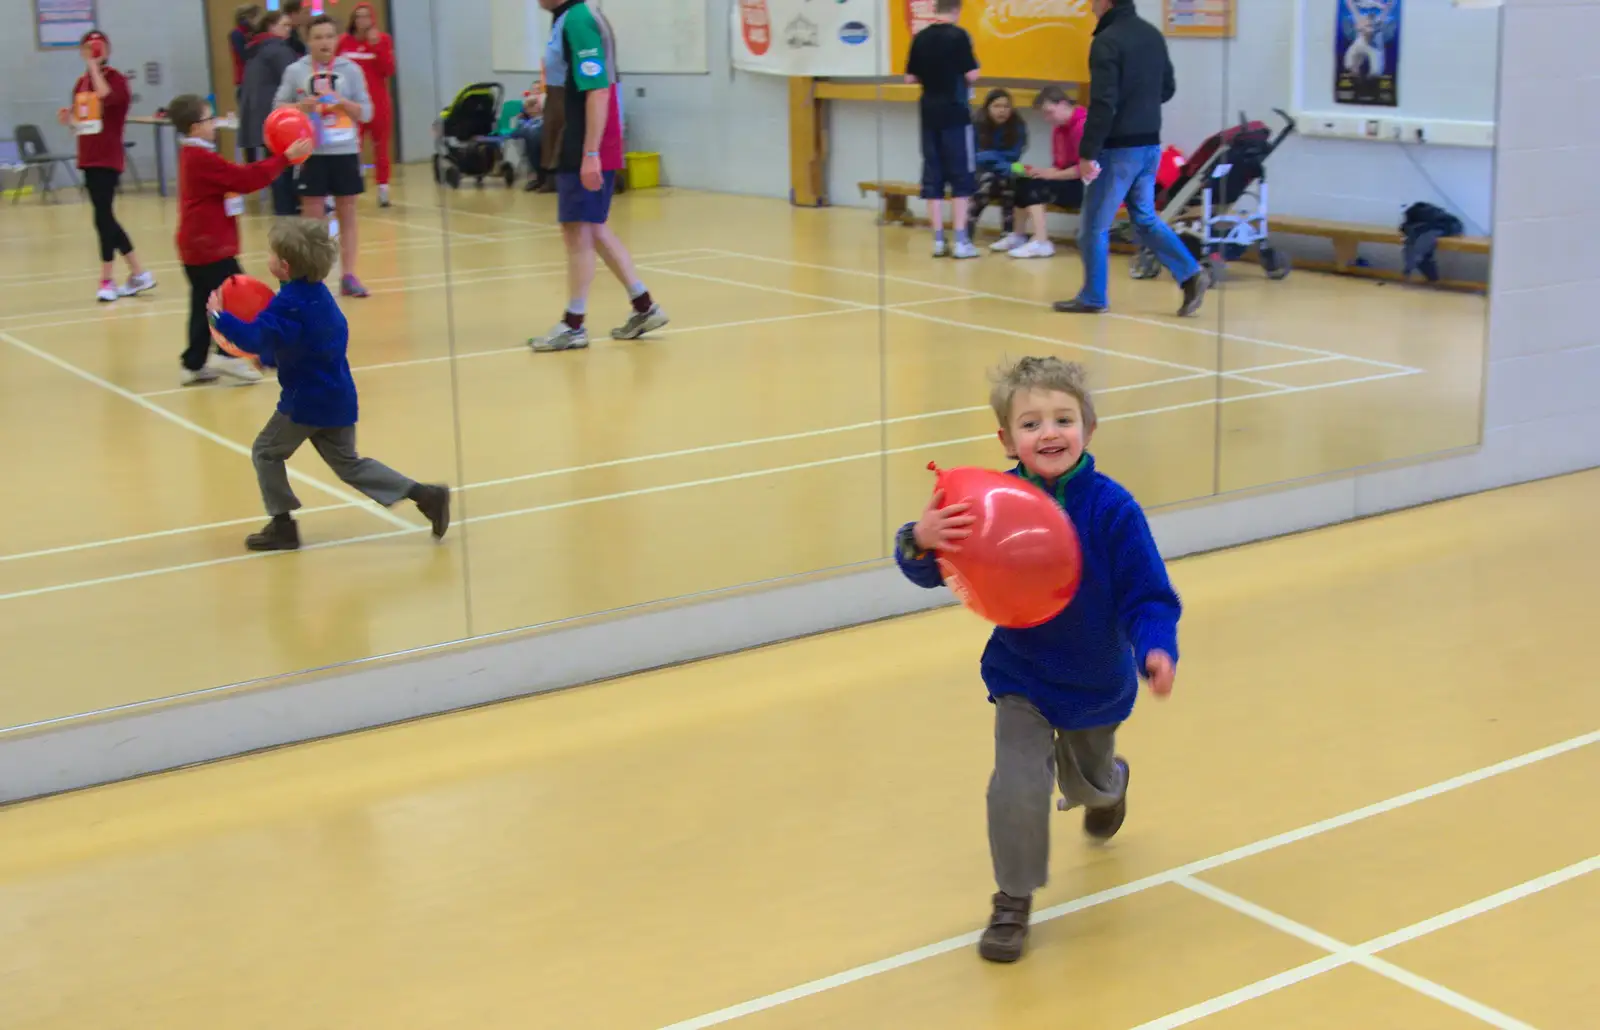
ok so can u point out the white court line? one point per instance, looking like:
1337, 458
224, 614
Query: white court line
111, 316
967, 940
613, 463
216, 438
160, 533
478, 214
1160, 362
873, 455
1052, 341
1363, 955
1179, 326
367, 249
667, 334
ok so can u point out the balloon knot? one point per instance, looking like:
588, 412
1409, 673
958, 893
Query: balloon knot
933, 466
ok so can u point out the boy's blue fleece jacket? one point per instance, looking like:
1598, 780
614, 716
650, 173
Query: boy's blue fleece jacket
304, 335
1082, 668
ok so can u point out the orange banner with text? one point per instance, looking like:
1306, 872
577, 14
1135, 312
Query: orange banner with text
1046, 40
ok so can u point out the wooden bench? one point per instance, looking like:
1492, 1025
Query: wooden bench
895, 194
1346, 237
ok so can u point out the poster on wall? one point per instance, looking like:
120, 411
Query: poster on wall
1366, 52
1198, 19
1015, 39
836, 38
62, 23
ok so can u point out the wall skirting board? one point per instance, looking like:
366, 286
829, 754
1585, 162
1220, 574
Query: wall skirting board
77, 753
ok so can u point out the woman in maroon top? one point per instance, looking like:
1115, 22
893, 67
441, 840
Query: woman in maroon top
99, 110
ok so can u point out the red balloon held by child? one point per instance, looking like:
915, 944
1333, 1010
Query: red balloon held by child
285, 126
1021, 566
244, 298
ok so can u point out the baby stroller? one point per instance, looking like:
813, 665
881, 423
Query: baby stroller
1205, 205
464, 135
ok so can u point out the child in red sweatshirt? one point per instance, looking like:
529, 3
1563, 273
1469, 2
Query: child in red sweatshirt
210, 199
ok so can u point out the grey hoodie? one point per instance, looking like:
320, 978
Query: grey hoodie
348, 82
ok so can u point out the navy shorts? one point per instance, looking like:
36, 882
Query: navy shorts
948, 160
576, 204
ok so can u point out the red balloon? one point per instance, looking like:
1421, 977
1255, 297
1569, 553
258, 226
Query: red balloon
244, 298
286, 125
1021, 566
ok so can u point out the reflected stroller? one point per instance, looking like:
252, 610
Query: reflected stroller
464, 135
1206, 206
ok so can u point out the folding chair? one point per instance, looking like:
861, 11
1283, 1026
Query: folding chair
36, 155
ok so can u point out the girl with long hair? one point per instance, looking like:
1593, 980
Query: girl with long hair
373, 52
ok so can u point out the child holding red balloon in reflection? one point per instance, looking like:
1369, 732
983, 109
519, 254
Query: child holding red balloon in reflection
1060, 689
303, 334
211, 193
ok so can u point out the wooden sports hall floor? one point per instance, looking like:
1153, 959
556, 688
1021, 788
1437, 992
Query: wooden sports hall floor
1369, 805
780, 425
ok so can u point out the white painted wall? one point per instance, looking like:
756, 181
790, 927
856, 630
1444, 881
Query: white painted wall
35, 84
1542, 406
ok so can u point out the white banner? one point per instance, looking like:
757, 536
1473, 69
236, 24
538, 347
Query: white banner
825, 38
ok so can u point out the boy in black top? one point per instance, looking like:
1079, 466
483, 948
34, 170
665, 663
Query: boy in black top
942, 60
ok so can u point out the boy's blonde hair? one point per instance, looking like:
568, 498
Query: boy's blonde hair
1047, 374
947, 7
305, 246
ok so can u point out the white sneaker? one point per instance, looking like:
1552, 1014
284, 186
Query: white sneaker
940, 248
383, 194
108, 292
1035, 249
137, 284
964, 250
239, 370
1011, 241
197, 377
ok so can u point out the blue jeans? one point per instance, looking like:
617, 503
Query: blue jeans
1127, 175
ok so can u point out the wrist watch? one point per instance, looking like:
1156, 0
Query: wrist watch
905, 543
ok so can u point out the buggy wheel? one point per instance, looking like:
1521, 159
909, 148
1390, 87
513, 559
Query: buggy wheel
438, 169
1216, 267
453, 177
510, 173
1145, 265
480, 182
1276, 265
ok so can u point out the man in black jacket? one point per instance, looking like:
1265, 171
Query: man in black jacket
1130, 77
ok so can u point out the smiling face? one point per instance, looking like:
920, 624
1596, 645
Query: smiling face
1047, 432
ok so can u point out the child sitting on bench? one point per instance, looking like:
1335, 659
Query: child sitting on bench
1058, 184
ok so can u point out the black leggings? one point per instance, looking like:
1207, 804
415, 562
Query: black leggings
285, 195
102, 186
994, 186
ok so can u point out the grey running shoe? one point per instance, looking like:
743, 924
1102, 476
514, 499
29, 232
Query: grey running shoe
638, 324
562, 337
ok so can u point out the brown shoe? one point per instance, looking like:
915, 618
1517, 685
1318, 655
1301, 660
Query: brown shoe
281, 534
434, 503
1194, 292
1103, 823
1003, 941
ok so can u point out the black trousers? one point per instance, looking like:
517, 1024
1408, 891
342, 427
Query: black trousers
285, 195
102, 186
204, 280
